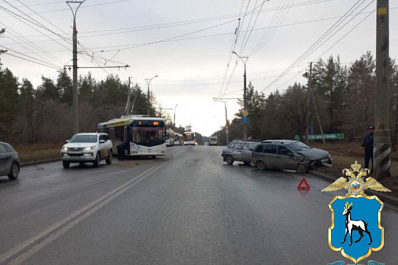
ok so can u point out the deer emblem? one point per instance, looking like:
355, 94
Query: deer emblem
352, 225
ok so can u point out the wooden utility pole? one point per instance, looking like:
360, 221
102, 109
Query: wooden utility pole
314, 103
382, 139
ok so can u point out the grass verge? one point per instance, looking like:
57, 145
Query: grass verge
37, 152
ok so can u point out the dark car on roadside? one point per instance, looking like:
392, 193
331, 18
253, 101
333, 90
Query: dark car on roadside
238, 151
289, 154
9, 163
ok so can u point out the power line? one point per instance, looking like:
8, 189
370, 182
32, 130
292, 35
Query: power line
334, 44
11, 35
87, 6
32, 61
132, 46
319, 42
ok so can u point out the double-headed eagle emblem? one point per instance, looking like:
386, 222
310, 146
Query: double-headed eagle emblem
356, 180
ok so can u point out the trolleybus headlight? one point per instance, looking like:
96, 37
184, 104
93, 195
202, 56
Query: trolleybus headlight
89, 148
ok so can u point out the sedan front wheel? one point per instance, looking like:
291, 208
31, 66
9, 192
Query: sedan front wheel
14, 172
229, 159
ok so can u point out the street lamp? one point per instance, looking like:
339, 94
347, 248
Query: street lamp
244, 60
75, 93
148, 81
175, 116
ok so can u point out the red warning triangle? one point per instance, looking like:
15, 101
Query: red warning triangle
303, 185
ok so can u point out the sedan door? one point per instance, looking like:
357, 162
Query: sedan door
237, 152
246, 153
5, 160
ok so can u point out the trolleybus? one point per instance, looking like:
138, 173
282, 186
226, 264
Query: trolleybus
189, 138
141, 135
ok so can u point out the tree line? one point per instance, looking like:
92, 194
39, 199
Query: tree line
44, 114
343, 97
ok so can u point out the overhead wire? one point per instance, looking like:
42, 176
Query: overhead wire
277, 20
224, 34
316, 44
30, 57
233, 44
68, 39
32, 61
334, 44
132, 46
224, 86
33, 48
276, 27
251, 30
29, 22
86, 6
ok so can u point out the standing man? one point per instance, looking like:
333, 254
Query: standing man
368, 146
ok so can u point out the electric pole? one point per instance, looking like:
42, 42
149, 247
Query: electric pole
226, 123
313, 102
382, 140
175, 116
75, 92
244, 60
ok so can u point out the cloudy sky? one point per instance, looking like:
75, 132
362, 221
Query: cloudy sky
189, 45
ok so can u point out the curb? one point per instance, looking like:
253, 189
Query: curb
386, 198
39, 162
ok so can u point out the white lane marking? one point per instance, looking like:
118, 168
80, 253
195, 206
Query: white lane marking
179, 153
79, 216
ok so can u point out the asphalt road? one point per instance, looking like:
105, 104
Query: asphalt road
186, 208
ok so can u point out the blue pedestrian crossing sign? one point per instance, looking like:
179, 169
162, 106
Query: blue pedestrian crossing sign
245, 119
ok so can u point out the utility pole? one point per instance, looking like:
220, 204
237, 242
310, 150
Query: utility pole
314, 102
382, 140
226, 119
175, 116
244, 60
75, 92
226, 123
148, 81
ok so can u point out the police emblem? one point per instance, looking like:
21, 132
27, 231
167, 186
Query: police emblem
356, 228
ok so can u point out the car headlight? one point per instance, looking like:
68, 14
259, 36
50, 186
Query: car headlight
89, 148
64, 148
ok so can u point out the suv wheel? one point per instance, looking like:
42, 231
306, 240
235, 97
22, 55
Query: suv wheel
97, 160
229, 159
65, 164
109, 159
260, 165
14, 172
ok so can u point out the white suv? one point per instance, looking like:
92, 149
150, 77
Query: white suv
87, 147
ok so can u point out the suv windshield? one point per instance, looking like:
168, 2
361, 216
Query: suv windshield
84, 138
298, 146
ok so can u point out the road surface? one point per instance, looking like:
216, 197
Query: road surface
186, 208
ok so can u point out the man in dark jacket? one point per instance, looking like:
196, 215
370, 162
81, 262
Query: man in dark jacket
368, 146
121, 148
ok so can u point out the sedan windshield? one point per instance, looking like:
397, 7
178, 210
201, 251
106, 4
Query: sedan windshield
298, 146
83, 138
